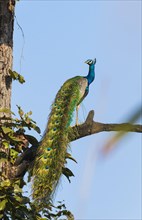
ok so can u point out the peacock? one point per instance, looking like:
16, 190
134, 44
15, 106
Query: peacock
52, 152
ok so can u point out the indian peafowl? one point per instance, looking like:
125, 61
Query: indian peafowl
52, 152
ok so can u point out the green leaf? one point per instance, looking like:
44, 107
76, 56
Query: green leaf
29, 113
5, 144
20, 111
17, 189
37, 129
6, 130
13, 138
13, 74
16, 76
5, 183
3, 204
13, 153
21, 79
18, 198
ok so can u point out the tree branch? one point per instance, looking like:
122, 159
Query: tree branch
89, 127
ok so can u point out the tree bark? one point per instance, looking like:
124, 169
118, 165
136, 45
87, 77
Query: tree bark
6, 48
6, 60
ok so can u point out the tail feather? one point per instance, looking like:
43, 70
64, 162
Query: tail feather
51, 154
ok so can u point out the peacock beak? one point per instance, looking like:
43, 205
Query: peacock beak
86, 61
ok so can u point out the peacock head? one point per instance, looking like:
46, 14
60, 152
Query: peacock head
90, 62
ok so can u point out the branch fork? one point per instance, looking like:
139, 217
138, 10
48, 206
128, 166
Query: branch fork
89, 127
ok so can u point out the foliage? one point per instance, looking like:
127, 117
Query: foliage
15, 141
13, 205
16, 76
58, 212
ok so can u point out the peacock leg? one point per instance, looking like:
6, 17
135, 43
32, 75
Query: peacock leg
77, 109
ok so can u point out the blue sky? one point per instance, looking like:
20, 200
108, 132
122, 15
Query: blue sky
59, 37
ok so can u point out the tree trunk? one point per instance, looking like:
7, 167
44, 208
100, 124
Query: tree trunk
6, 59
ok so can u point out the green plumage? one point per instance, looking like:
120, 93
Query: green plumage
51, 155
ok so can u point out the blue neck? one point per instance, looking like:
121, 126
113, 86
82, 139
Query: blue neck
91, 74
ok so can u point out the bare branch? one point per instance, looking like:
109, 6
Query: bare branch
89, 127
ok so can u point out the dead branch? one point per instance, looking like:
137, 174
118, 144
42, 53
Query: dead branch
89, 127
